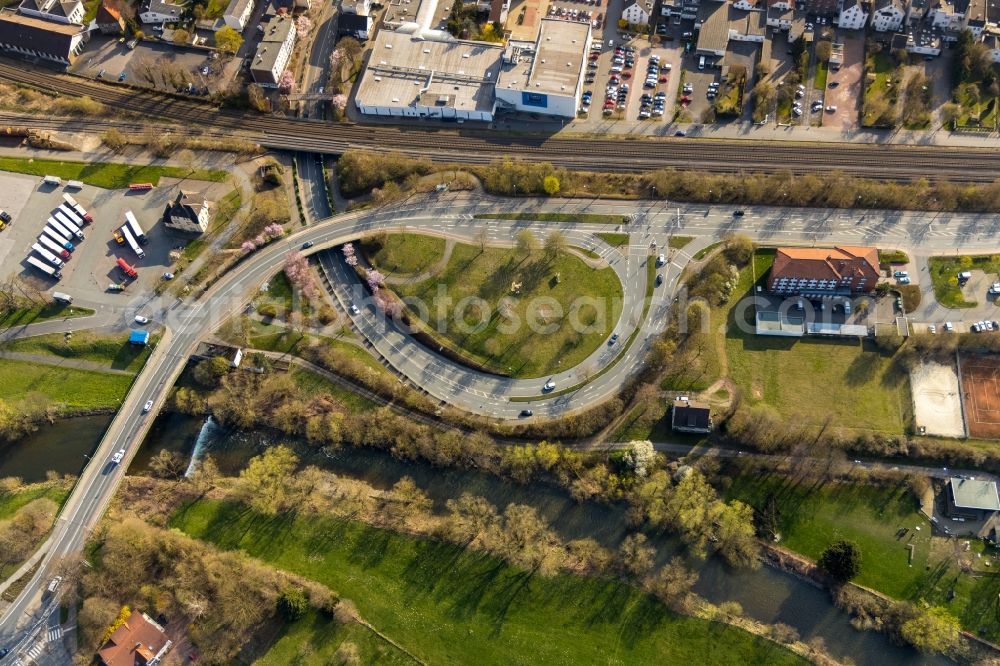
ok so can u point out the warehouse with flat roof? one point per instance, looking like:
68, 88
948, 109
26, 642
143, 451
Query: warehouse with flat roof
415, 78
546, 77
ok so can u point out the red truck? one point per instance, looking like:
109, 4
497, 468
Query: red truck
126, 269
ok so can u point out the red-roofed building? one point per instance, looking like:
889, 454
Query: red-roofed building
109, 19
814, 270
137, 642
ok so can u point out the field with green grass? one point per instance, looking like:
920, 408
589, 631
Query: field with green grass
313, 640
113, 351
403, 253
108, 175
477, 281
11, 502
944, 276
822, 72
448, 606
314, 384
614, 239
76, 390
271, 337
40, 313
813, 515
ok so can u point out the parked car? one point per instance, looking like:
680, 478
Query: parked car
904, 280
139, 319
831, 109
900, 274
948, 326
168, 276
932, 328
995, 288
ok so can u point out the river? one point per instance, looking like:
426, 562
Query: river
766, 594
63, 447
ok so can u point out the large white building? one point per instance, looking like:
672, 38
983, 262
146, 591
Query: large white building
60, 11
546, 77
635, 13
888, 16
853, 15
160, 11
415, 72
237, 15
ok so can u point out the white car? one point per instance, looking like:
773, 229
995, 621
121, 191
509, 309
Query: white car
831, 109
660, 260
932, 329
148, 406
139, 319
168, 276
995, 288
549, 385
948, 326
117, 458
354, 309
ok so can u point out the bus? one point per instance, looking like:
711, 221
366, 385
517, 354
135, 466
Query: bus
57, 237
133, 224
44, 267
126, 269
48, 256
54, 246
73, 216
131, 241
70, 226
60, 229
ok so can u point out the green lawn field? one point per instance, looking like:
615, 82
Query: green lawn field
452, 607
313, 641
404, 253
106, 174
76, 390
40, 313
814, 515
555, 293
111, 350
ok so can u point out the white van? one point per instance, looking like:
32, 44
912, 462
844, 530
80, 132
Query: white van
52, 180
701, 62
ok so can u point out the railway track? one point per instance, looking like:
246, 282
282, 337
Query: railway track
479, 147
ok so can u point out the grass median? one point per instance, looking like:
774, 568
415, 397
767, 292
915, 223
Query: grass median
450, 606
579, 218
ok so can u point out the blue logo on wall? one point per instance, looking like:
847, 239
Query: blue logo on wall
534, 99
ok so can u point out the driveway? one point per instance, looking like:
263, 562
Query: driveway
846, 96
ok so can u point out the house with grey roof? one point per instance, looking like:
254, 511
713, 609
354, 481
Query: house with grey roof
55, 41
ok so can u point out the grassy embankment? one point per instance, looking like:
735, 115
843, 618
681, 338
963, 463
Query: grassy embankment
108, 175
449, 606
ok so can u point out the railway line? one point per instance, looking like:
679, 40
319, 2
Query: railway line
480, 146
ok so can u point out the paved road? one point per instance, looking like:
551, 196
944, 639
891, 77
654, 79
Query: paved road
188, 323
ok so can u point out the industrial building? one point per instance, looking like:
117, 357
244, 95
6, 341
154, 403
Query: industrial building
546, 77
418, 70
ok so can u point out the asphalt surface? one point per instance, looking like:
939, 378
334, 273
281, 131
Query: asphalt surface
186, 324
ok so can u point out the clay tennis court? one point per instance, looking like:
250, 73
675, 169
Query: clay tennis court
981, 394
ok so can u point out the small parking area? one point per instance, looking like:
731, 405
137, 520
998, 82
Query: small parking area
696, 102
92, 266
863, 310
844, 87
157, 65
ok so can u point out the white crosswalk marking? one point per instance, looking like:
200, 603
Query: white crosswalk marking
54, 634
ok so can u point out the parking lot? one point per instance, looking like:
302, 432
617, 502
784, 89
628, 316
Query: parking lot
847, 89
601, 79
156, 65
92, 266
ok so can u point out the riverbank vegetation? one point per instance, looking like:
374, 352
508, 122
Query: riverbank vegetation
429, 578
27, 513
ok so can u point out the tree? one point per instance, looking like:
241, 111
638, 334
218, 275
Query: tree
841, 561
287, 82
182, 36
673, 582
551, 185
167, 465
211, 371
292, 603
824, 50
470, 518
228, 40
950, 112
526, 241
257, 99
267, 483
739, 249
409, 499
114, 139
736, 536
763, 98
555, 243
635, 555
932, 630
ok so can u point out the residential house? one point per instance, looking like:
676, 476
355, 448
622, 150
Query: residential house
273, 52
749, 28
60, 11
358, 26
161, 11
780, 18
713, 29
948, 15
853, 15
361, 7
636, 13
972, 499
981, 15
49, 40
236, 16
680, 9
746, 5
917, 10
888, 15
139, 641
187, 214
109, 20
817, 270
690, 416
992, 42
825, 8
924, 41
